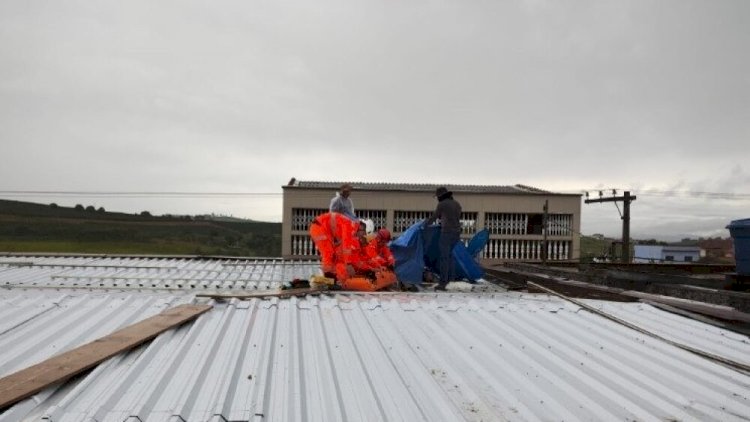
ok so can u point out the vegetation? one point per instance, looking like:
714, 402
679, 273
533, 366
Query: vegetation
718, 250
596, 246
28, 227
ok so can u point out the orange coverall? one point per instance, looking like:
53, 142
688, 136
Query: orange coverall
335, 237
378, 253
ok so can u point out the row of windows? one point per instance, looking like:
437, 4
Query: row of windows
506, 249
496, 223
686, 258
524, 224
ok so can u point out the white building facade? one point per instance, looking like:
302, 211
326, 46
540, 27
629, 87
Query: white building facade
666, 253
512, 214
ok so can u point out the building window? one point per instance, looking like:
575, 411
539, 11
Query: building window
377, 217
528, 224
468, 222
302, 217
505, 223
560, 224
688, 258
402, 220
669, 258
535, 224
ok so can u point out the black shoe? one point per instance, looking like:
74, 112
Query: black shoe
440, 288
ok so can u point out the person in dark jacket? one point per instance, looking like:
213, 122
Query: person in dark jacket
448, 211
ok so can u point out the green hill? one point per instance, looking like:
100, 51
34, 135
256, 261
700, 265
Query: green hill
30, 227
595, 246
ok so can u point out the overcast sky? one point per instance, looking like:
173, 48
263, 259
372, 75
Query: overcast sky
651, 96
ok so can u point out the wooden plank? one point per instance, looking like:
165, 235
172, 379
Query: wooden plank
282, 294
29, 381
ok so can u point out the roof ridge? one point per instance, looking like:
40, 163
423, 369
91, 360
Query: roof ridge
418, 187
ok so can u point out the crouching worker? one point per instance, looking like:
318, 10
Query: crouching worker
378, 252
373, 263
335, 238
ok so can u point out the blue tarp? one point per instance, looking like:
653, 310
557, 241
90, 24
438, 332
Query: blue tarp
417, 249
408, 250
476, 244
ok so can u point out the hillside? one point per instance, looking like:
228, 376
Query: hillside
30, 227
594, 247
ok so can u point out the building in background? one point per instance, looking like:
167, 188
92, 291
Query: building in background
717, 250
512, 214
666, 253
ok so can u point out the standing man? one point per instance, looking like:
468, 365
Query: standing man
341, 203
448, 210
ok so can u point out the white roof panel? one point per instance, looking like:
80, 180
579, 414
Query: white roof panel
152, 272
382, 357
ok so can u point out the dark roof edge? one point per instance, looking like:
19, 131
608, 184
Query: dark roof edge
517, 189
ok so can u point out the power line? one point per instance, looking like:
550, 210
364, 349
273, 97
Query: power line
697, 195
676, 193
188, 194
141, 194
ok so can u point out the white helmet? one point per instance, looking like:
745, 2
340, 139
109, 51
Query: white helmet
369, 225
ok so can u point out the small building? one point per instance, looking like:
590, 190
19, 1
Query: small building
512, 214
666, 253
717, 250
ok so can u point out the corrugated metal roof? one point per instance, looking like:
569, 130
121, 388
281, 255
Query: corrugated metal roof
380, 357
681, 248
415, 187
152, 273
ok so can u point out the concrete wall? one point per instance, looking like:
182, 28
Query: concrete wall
479, 203
647, 253
681, 255
660, 253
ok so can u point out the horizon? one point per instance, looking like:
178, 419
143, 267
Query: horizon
613, 233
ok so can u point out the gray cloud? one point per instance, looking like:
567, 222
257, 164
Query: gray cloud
241, 96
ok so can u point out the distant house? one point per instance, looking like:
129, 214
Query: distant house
717, 249
666, 253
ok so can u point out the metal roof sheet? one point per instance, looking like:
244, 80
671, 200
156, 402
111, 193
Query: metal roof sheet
682, 248
380, 357
152, 272
424, 187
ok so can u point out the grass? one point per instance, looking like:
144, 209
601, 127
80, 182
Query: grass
26, 227
592, 247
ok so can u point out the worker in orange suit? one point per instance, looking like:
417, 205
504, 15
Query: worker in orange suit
364, 262
334, 235
377, 250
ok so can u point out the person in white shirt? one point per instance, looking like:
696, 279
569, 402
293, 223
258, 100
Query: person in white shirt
342, 203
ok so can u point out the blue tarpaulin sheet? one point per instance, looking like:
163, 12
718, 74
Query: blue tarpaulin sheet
417, 249
408, 250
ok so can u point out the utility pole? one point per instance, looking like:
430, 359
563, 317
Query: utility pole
626, 200
545, 219
626, 227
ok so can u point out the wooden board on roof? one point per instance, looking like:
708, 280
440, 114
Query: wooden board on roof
31, 380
